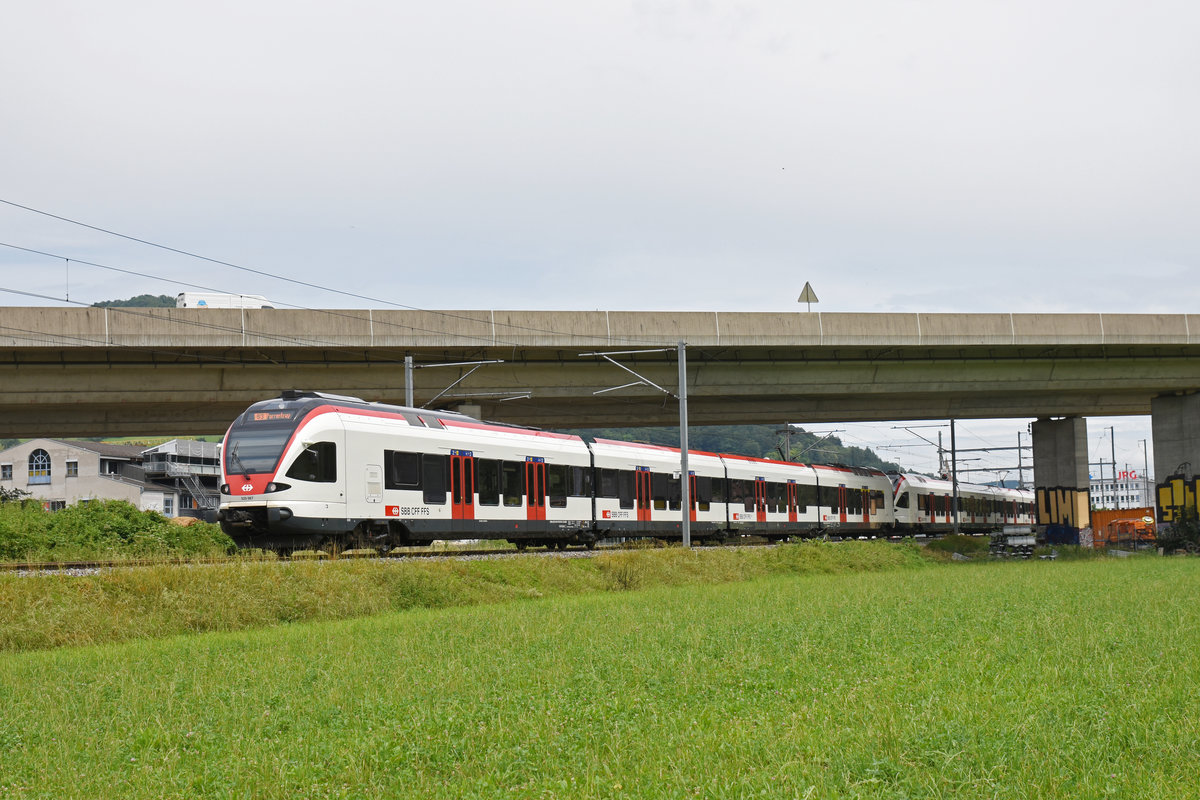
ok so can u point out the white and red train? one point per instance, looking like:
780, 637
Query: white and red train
318, 470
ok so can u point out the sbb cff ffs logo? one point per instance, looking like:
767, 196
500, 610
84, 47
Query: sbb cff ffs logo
247, 487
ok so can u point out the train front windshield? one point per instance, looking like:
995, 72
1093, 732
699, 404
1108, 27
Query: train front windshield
256, 440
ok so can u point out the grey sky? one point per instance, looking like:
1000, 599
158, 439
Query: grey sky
901, 156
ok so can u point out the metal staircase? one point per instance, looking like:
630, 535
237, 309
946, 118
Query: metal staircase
198, 491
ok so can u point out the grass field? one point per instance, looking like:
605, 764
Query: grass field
121, 604
1028, 680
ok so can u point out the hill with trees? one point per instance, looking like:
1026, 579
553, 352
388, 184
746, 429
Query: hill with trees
759, 441
141, 301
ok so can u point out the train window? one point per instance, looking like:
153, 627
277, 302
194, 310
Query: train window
853, 501
317, 463
752, 496
902, 500
556, 484
434, 471
704, 492
720, 490
827, 496
625, 488
674, 494
777, 497
581, 481
806, 495
608, 483
487, 481
512, 481
658, 490
401, 470
737, 491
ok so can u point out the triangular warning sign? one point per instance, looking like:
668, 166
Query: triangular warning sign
808, 295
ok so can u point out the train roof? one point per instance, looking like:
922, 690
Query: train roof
947, 486
305, 402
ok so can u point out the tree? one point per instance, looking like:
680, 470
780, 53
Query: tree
12, 495
141, 301
758, 441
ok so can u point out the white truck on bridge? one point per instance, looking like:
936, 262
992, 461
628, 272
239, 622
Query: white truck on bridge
215, 300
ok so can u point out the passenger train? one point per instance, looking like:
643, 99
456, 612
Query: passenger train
317, 470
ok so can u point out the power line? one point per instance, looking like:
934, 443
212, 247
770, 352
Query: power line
264, 273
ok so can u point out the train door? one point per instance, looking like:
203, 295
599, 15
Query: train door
866, 503
791, 501
462, 484
841, 502
760, 499
642, 486
535, 488
692, 496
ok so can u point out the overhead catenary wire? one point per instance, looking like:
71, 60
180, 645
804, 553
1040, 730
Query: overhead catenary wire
285, 278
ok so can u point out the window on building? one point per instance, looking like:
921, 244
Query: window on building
39, 466
72, 469
168, 506
5, 472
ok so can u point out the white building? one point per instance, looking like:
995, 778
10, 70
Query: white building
1130, 489
64, 472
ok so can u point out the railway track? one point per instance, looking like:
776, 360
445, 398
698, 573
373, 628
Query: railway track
38, 567
75, 566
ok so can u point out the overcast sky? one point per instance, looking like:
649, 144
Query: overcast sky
901, 156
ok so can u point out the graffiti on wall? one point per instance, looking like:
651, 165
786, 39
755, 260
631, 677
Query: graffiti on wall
1176, 494
1063, 506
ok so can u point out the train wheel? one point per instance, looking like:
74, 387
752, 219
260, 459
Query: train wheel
590, 545
522, 546
562, 544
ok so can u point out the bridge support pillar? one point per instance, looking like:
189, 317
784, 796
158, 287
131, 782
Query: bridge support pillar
1175, 422
470, 409
1060, 476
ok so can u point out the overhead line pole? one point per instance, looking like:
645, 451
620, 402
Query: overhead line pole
685, 480
685, 488
954, 473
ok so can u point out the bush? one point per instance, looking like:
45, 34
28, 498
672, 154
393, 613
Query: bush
100, 529
1182, 534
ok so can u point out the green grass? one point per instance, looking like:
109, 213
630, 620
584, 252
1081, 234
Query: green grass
1016, 680
121, 604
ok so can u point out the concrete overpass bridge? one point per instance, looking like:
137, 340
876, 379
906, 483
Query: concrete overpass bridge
96, 371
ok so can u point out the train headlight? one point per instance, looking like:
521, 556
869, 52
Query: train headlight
277, 487
224, 488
